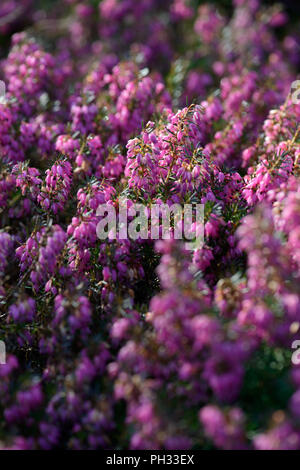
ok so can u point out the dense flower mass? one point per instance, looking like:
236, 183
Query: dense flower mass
141, 343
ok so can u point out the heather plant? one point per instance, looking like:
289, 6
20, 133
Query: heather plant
126, 343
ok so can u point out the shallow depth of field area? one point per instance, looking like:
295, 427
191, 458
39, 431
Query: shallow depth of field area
122, 343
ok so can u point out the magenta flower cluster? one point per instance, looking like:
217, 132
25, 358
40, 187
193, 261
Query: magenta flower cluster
136, 344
